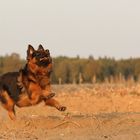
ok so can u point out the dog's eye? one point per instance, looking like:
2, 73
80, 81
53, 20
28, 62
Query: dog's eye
36, 54
45, 55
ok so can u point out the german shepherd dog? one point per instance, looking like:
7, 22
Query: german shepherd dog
31, 85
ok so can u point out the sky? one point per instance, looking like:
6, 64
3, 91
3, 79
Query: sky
71, 27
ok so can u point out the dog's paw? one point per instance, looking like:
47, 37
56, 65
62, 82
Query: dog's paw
62, 108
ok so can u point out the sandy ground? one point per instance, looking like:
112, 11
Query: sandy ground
94, 112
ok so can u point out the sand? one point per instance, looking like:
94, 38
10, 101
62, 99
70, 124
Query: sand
94, 112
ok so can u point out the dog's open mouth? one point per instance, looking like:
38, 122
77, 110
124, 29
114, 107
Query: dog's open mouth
44, 61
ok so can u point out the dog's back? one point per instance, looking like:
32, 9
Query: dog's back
8, 82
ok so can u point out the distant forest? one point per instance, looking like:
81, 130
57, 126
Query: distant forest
82, 70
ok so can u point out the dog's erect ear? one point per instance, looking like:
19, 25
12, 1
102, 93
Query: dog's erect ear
40, 48
30, 51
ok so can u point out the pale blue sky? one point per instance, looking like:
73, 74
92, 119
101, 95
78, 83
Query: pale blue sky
71, 27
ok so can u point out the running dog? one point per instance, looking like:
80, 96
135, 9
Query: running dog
31, 85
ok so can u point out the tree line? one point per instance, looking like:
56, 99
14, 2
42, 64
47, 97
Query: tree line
82, 70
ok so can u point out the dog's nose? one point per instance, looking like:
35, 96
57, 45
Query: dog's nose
47, 51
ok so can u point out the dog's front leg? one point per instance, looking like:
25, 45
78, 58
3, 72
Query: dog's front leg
53, 103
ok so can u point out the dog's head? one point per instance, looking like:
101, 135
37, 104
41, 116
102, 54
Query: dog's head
39, 59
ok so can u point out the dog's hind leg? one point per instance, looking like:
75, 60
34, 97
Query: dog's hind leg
8, 104
11, 114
